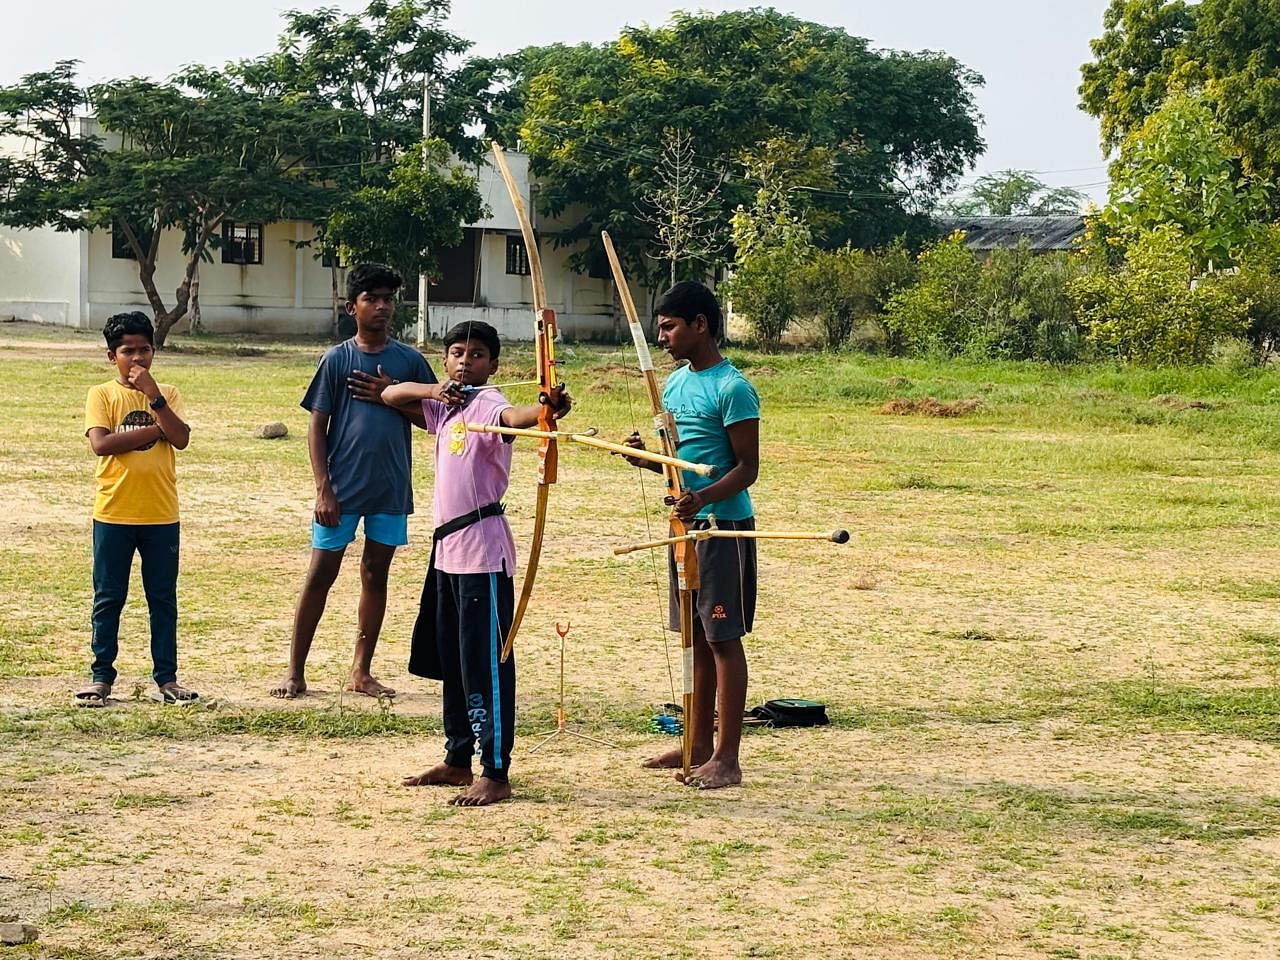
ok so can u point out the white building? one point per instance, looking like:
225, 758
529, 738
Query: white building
263, 281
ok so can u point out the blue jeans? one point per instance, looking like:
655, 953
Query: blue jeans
113, 548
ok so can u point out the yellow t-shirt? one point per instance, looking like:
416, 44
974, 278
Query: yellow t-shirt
140, 486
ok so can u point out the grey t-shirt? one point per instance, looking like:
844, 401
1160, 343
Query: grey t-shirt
369, 443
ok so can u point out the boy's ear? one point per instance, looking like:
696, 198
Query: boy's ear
350, 307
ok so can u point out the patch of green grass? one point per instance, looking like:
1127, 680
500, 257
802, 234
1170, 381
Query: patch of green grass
144, 801
1251, 712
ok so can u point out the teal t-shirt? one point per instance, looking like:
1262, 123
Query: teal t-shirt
704, 403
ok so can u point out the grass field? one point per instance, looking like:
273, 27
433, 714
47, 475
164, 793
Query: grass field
1050, 654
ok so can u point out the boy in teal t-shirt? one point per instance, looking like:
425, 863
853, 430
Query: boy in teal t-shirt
717, 414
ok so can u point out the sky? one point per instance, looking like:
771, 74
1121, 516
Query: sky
1028, 51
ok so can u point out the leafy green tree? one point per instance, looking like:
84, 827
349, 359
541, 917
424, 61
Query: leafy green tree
1015, 193
1179, 169
1237, 47
900, 127
771, 239
765, 288
164, 157
373, 62
420, 208
1134, 60
1225, 49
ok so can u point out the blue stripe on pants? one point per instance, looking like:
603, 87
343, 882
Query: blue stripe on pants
495, 648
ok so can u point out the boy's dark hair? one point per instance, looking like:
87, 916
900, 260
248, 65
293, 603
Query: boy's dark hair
686, 300
120, 325
370, 276
474, 330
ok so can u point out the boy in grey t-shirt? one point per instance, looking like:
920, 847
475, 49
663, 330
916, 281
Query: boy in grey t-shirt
360, 460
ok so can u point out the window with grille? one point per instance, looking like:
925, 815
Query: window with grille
517, 257
241, 242
120, 249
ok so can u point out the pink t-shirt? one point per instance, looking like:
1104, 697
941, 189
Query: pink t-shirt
472, 469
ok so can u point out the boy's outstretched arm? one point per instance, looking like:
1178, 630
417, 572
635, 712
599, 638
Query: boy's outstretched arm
527, 416
744, 438
327, 513
405, 398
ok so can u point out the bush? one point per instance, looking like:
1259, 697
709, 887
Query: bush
766, 289
1150, 313
836, 289
1258, 284
938, 314
1023, 305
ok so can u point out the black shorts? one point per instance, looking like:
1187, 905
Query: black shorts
725, 603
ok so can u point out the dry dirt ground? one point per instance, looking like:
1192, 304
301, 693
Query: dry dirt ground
998, 781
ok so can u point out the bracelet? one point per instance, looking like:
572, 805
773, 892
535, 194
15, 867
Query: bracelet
159, 403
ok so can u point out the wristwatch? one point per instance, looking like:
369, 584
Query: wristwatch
159, 403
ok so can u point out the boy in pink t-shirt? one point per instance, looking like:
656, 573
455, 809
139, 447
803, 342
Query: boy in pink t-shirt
468, 599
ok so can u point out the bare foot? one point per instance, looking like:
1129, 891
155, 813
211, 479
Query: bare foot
290, 687
441, 775
713, 775
369, 686
674, 759
482, 793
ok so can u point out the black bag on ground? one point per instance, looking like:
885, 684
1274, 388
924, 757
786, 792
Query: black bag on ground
424, 650
792, 712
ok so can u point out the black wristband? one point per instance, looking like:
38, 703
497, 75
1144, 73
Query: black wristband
159, 403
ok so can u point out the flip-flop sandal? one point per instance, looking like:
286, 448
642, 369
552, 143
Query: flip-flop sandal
174, 694
94, 695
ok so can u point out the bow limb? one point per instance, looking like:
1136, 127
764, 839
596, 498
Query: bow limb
544, 335
530, 570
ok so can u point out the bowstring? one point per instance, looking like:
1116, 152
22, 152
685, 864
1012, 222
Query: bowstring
663, 632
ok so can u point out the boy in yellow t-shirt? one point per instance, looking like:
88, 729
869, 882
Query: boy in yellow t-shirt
134, 424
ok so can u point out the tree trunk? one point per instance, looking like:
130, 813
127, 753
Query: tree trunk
195, 302
333, 298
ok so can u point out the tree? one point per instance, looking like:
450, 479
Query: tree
375, 63
420, 208
1223, 49
1179, 169
771, 240
163, 156
1134, 60
679, 204
1015, 193
900, 127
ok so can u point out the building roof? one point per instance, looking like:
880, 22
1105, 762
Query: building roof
1000, 233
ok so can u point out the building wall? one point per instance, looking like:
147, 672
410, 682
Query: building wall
289, 292
583, 305
40, 276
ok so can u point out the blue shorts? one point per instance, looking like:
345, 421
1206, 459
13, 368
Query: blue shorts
391, 529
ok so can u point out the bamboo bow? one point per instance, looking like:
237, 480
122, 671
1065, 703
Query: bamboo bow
544, 335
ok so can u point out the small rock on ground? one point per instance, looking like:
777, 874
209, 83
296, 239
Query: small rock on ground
14, 933
271, 431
